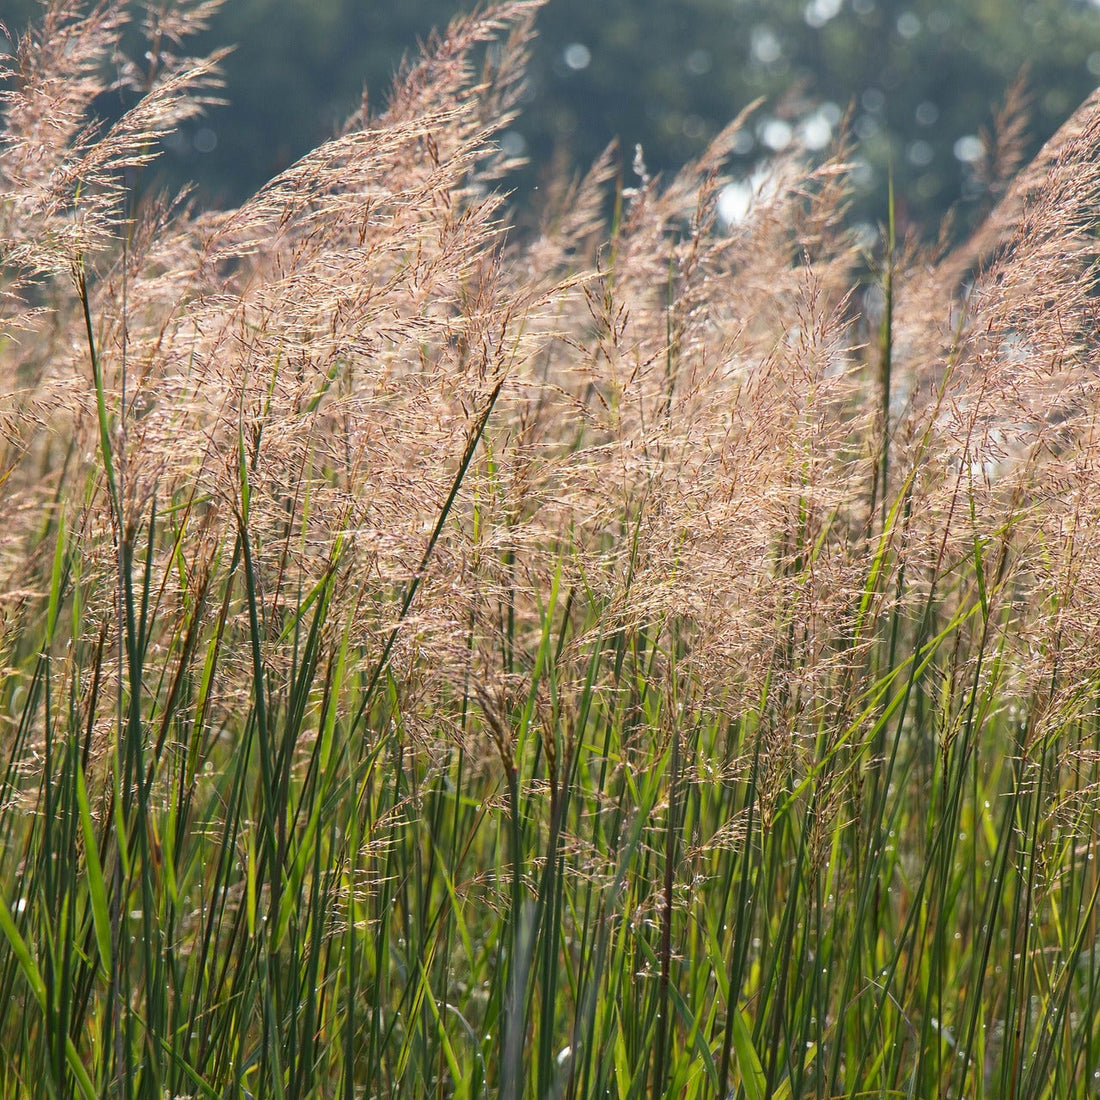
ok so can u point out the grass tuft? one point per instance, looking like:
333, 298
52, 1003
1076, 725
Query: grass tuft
651, 657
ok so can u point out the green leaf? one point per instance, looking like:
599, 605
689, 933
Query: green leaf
748, 1064
97, 890
23, 956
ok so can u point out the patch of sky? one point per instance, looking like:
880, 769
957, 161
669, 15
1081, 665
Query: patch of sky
738, 198
815, 131
775, 133
968, 148
818, 12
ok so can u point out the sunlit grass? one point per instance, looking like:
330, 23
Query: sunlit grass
640, 660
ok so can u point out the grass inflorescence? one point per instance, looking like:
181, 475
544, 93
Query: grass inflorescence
644, 656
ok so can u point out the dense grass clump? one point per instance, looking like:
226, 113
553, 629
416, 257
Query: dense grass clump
643, 657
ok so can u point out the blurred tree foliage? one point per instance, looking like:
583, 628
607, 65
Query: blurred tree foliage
919, 80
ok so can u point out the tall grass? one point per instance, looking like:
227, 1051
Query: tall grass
645, 658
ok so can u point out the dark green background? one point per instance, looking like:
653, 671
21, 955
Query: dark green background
918, 74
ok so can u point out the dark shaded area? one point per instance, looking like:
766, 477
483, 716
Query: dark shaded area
919, 78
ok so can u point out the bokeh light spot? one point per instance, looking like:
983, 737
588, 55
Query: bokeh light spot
577, 56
